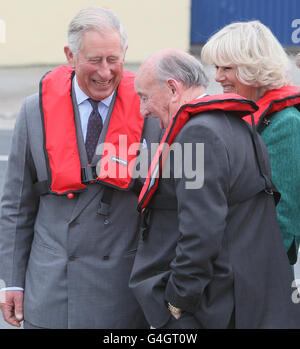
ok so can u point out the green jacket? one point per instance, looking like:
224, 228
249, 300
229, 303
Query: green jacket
282, 139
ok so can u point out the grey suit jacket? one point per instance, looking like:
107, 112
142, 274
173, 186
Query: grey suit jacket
73, 263
223, 263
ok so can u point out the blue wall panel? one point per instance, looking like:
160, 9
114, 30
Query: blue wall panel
281, 16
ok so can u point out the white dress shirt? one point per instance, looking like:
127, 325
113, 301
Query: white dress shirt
85, 108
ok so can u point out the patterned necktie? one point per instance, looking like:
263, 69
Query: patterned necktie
93, 130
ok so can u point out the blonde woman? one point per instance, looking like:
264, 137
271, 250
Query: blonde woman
250, 61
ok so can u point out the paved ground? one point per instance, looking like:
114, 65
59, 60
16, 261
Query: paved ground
17, 83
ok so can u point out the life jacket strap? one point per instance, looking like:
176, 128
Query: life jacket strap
269, 185
88, 174
145, 223
105, 202
158, 202
41, 188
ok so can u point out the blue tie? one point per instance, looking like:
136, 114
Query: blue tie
93, 130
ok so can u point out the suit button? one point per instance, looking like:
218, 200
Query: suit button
105, 258
106, 221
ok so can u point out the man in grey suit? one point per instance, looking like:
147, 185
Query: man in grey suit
210, 253
67, 242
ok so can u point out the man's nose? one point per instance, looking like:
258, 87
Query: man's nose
144, 111
104, 70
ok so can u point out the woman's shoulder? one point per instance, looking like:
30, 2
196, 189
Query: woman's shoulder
285, 122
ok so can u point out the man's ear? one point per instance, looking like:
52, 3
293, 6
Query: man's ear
175, 89
69, 56
125, 51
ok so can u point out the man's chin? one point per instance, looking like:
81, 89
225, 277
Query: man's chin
99, 96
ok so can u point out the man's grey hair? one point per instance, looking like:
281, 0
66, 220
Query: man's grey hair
181, 67
93, 18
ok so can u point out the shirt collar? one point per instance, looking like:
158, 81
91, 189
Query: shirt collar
203, 95
81, 96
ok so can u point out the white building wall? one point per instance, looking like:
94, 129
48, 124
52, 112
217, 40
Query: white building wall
34, 31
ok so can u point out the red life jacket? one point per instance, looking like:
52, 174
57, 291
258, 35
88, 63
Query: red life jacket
275, 100
60, 142
226, 102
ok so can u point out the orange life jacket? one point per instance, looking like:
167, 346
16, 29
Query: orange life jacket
226, 102
60, 140
275, 100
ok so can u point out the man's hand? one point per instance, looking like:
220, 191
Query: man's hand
176, 312
11, 304
176, 315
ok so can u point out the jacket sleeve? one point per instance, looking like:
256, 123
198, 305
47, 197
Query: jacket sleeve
202, 215
18, 207
282, 138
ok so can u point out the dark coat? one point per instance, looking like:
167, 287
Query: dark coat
224, 264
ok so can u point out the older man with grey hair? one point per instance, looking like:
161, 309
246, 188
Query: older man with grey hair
210, 253
68, 229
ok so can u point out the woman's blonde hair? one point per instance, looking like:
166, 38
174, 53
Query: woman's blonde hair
250, 46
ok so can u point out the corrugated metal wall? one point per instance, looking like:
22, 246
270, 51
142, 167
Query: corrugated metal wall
281, 16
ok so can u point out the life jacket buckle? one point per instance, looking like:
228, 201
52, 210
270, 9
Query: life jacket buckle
88, 174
